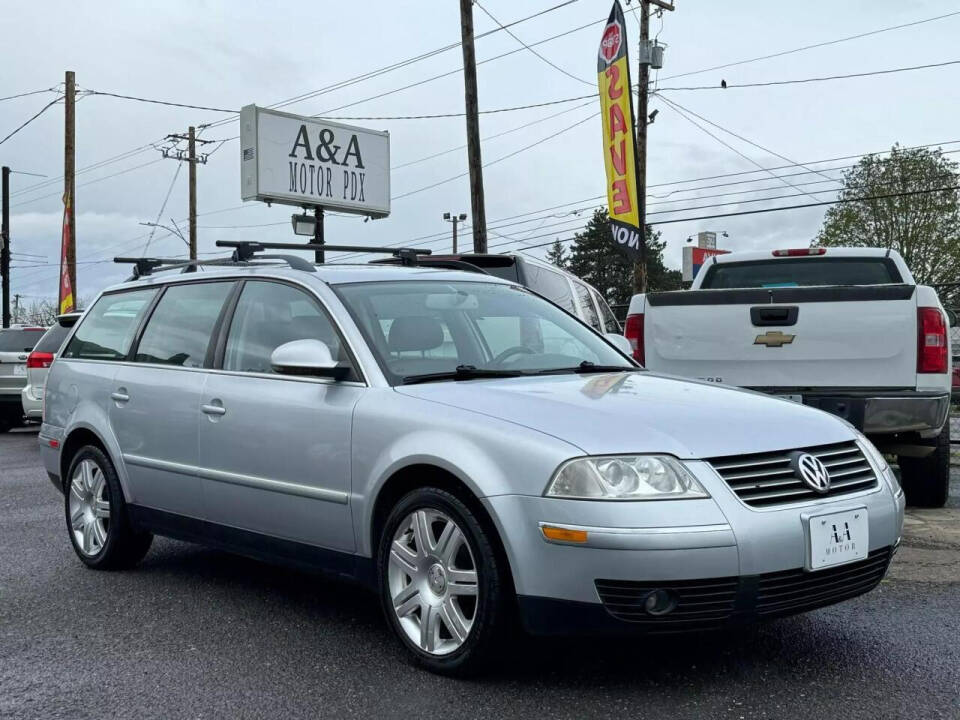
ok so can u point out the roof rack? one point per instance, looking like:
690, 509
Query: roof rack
245, 250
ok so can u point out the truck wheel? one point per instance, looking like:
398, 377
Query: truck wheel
926, 481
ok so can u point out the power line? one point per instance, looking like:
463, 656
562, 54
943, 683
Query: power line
457, 114
499, 159
769, 210
91, 182
731, 147
399, 64
534, 52
25, 94
812, 47
743, 139
163, 207
158, 102
813, 79
32, 118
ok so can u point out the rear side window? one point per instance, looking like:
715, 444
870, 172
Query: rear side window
801, 272
607, 317
52, 339
179, 330
270, 314
16, 340
589, 312
106, 330
552, 285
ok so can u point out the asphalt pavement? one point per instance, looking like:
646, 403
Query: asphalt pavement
197, 633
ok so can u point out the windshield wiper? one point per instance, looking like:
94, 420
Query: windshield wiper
588, 367
462, 372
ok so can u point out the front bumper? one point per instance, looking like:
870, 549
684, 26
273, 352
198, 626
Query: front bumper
639, 546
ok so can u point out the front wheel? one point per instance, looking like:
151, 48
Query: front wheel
926, 481
441, 584
96, 514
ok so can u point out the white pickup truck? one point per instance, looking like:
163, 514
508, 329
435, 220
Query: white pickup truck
846, 330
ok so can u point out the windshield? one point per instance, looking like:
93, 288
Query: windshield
801, 272
465, 329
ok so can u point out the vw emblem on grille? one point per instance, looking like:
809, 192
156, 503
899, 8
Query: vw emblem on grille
812, 472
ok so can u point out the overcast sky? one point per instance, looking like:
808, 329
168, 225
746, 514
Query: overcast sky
229, 54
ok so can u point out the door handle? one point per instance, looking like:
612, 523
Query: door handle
120, 395
213, 410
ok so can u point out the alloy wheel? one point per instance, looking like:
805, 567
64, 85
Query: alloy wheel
89, 507
432, 580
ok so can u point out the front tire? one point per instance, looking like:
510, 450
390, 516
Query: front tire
926, 481
96, 514
441, 585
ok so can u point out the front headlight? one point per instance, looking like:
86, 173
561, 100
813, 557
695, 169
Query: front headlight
625, 477
879, 461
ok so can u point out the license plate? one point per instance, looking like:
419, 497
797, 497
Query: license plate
837, 538
792, 398
19, 369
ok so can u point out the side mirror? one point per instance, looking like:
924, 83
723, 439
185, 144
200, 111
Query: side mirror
620, 343
306, 357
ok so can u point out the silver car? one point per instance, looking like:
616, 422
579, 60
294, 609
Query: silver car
461, 445
15, 345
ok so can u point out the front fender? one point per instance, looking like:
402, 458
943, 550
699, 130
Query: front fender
490, 457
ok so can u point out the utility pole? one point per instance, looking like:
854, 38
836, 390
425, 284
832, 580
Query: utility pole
192, 153
193, 159
5, 245
16, 308
69, 179
473, 127
639, 269
454, 218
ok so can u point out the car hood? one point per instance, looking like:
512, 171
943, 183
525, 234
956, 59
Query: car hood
642, 412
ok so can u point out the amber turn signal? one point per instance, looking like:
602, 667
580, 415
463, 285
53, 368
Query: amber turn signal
563, 534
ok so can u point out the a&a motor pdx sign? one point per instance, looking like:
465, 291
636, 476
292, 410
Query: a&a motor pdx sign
619, 153
308, 162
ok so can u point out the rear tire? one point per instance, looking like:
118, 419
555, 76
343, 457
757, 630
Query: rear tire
435, 561
926, 481
97, 521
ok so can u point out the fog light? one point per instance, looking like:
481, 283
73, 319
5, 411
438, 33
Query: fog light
659, 602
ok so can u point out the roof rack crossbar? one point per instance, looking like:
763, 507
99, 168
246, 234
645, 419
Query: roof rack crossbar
143, 267
244, 249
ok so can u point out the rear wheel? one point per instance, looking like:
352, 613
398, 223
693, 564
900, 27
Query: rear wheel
441, 584
926, 481
96, 514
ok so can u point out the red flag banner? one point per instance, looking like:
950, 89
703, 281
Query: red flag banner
66, 287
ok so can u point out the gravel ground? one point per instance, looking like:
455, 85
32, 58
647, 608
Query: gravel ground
198, 633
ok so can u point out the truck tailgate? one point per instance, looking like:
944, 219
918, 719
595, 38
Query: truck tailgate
791, 338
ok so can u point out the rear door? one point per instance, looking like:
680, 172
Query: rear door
154, 404
275, 449
775, 324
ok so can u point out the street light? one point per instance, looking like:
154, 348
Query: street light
303, 224
454, 218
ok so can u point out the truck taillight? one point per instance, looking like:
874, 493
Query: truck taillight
633, 331
38, 360
800, 252
931, 341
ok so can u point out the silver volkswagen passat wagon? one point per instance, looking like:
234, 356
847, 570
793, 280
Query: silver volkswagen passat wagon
461, 445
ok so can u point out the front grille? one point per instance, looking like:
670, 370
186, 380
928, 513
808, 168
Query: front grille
793, 591
700, 603
715, 602
766, 479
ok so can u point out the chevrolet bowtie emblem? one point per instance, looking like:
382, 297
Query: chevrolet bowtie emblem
774, 338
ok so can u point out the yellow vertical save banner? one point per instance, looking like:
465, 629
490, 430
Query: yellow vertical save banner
619, 149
